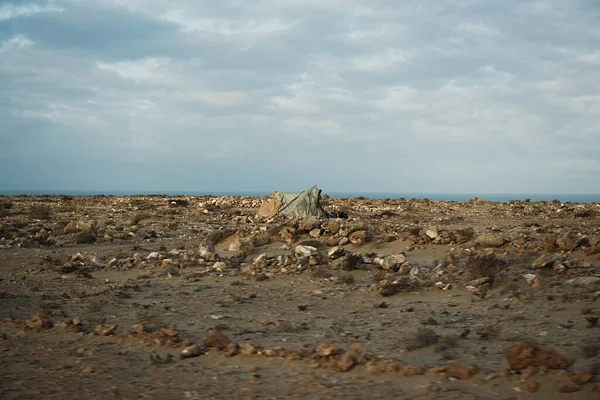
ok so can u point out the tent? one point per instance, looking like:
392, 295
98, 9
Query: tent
294, 205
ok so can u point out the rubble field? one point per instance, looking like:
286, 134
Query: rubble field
183, 297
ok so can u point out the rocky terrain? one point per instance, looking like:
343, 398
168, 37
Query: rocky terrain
195, 297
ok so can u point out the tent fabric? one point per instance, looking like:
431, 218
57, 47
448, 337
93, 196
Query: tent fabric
294, 205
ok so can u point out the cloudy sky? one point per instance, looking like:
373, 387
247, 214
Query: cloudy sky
459, 96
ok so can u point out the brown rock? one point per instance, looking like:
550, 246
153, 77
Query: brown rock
582, 377
568, 387
247, 349
460, 371
38, 323
412, 370
490, 240
232, 350
332, 226
346, 362
310, 223
287, 234
567, 242
532, 354
192, 351
137, 329
359, 237
532, 386
326, 350
105, 330
217, 340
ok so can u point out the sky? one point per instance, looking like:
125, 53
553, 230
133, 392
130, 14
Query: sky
435, 96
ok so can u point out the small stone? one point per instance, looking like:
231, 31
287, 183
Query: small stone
582, 377
37, 323
138, 329
336, 252
532, 354
583, 281
343, 241
216, 339
359, 237
532, 386
412, 370
105, 330
346, 362
332, 226
247, 349
568, 387
154, 256
490, 240
309, 224
207, 250
567, 242
305, 251
326, 350
393, 262
191, 351
460, 371
316, 233
432, 233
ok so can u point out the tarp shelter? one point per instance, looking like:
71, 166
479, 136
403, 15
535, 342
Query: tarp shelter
294, 205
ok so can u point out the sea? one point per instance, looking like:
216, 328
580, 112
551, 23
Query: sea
496, 197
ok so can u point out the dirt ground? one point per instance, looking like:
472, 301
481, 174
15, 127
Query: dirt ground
398, 299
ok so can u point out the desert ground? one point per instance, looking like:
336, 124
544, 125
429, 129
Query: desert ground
160, 297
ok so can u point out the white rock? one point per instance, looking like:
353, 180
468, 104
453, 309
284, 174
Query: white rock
305, 250
153, 256
432, 233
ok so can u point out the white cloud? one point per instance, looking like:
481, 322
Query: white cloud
9, 11
15, 43
479, 29
139, 70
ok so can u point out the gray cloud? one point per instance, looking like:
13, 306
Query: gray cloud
450, 96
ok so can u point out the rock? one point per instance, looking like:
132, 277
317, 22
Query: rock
490, 240
105, 330
547, 260
411, 370
532, 280
393, 262
432, 233
346, 362
154, 256
37, 323
567, 242
332, 226
219, 266
583, 281
316, 233
216, 339
207, 250
305, 251
287, 234
138, 329
532, 354
343, 241
247, 349
479, 281
191, 351
460, 371
238, 245
336, 252
582, 377
310, 223
78, 226
532, 386
359, 237
326, 350
567, 387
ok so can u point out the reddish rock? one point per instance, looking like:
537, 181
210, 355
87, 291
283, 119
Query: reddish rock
217, 340
346, 362
532, 386
582, 377
412, 370
460, 371
326, 350
531, 354
490, 240
247, 349
232, 349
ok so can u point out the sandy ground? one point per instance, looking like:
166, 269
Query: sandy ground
99, 296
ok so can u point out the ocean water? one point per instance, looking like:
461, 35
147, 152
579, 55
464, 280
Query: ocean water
497, 197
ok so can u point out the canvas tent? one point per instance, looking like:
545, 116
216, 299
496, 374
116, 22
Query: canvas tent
294, 205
